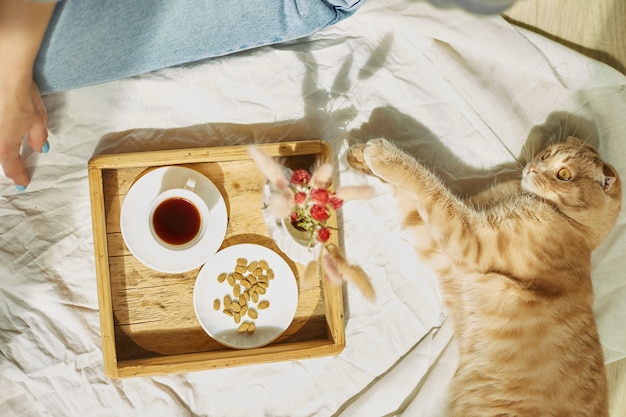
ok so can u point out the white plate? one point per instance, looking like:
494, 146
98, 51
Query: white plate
282, 294
135, 227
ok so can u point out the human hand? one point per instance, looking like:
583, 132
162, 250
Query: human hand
22, 113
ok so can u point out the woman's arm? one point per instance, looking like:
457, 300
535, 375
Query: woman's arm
22, 27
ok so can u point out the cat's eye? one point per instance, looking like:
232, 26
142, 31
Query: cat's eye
545, 155
564, 174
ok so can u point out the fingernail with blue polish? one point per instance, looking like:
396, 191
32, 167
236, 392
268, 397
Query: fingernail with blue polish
45, 148
20, 188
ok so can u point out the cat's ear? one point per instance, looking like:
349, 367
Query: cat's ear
579, 143
610, 178
573, 140
609, 182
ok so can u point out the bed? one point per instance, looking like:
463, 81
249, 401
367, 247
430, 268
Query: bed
464, 92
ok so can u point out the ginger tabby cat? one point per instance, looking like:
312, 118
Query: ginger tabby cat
514, 263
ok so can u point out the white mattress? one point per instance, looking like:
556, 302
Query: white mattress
462, 92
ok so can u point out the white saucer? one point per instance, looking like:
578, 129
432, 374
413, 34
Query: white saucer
282, 293
135, 226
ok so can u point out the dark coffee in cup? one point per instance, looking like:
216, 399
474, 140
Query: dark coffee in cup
176, 221
179, 217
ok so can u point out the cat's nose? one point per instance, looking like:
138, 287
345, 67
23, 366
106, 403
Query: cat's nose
532, 168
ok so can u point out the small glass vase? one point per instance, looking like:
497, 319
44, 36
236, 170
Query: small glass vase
296, 244
302, 237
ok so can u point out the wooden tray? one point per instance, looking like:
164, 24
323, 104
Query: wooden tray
147, 318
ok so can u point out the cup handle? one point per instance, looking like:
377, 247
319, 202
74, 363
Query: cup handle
190, 184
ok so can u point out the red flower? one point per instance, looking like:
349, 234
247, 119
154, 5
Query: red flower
299, 198
300, 176
336, 203
319, 213
323, 234
294, 217
320, 196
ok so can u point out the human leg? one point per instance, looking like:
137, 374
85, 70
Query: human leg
94, 41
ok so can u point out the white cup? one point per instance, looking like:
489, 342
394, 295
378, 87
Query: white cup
179, 217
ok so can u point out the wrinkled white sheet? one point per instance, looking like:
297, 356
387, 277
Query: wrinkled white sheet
461, 91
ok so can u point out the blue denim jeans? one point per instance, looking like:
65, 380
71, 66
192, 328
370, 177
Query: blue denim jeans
94, 41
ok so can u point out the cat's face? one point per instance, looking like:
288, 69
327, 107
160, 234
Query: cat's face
573, 176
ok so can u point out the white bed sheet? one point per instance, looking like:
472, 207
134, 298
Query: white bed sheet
462, 91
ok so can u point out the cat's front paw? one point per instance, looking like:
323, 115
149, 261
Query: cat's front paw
379, 154
388, 162
355, 159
